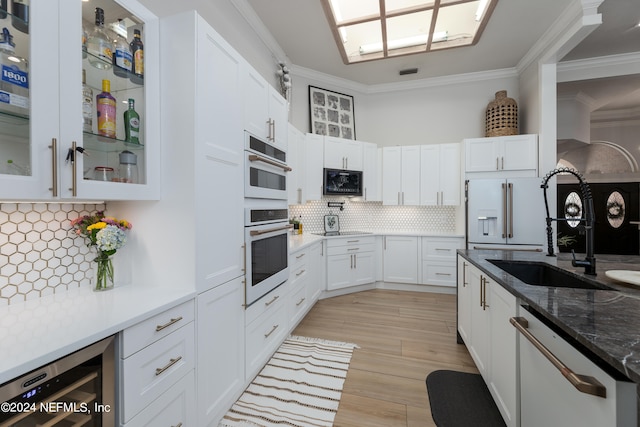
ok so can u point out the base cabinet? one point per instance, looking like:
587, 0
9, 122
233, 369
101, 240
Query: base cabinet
350, 262
155, 355
484, 310
220, 358
439, 260
400, 259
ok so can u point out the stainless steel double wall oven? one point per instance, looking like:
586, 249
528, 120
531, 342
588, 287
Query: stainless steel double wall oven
266, 218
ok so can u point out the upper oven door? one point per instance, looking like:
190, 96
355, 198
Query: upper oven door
265, 170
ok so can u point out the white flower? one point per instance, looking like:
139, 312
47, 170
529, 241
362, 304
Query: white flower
110, 238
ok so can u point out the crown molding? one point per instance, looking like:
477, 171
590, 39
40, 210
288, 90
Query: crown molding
599, 67
404, 86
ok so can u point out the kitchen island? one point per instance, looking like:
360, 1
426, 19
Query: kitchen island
605, 322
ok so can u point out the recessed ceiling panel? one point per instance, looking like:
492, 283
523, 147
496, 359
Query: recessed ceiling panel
349, 10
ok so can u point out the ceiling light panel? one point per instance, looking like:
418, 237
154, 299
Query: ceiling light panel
367, 30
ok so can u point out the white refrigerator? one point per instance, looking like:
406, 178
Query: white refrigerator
505, 214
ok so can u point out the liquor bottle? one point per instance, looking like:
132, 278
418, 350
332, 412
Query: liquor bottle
137, 51
87, 104
14, 77
20, 15
122, 54
99, 44
132, 124
106, 109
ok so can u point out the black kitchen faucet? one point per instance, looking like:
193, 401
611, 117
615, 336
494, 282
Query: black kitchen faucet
589, 263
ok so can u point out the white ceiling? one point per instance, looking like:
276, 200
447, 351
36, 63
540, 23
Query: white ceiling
301, 30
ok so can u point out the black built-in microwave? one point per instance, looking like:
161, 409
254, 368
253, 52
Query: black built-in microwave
338, 182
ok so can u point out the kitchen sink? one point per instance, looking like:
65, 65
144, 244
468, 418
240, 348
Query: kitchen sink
542, 274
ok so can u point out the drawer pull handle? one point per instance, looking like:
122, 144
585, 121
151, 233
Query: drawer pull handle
353, 249
267, 304
353, 241
300, 272
583, 383
443, 274
300, 256
169, 323
301, 301
168, 365
443, 249
271, 331
178, 425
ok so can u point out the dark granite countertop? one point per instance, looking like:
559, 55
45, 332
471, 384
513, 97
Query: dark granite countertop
607, 322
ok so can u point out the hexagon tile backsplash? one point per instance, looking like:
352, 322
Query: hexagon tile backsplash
366, 216
39, 254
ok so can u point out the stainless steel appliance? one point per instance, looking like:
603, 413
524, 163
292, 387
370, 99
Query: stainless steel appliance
505, 213
78, 390
266, 247
339, 182
265, 170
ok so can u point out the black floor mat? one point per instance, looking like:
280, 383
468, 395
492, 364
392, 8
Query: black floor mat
460, 399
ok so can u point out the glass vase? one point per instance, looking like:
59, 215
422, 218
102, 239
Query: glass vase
103, 279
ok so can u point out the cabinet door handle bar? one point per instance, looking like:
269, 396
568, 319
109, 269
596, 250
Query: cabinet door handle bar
583, 383
54, 167
169, 323
168, 365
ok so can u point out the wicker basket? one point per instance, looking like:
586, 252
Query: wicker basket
502, 116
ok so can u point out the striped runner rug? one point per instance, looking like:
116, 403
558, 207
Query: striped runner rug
300, 386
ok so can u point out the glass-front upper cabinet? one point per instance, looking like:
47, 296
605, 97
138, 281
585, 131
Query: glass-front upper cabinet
79, 114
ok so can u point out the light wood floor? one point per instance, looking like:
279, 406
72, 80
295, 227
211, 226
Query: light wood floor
403, 336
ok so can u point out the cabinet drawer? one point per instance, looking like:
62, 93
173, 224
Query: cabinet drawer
298, 303
151, 330
441, 248
349, 241
150, 372
269, 302
442, 273
297, 275
350, 249
298, 258
263, 337
173, 408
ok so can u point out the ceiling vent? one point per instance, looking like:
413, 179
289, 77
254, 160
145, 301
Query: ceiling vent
408, 71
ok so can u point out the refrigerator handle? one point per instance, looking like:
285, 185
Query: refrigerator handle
504, 210
510, 210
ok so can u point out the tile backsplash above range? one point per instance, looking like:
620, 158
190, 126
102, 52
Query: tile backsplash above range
373, 216
39, 254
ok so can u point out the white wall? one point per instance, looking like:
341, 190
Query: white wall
409, 115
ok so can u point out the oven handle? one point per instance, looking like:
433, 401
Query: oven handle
583, 383
256, 158
270, 230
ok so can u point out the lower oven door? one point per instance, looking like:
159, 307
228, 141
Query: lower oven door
267, 267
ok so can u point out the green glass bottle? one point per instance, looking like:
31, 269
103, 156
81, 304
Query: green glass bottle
132, 124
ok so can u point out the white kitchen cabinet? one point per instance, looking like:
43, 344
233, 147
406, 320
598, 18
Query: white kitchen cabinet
401, 175
439, 260
176, 407
298, 303
40, 151
341, 153
371, 172
220, 364
296, 188
485, 329
148, 372
317, 271
266, 330
547, 398
400, 259
313, 160
440, 174
205, 148
266, 112
350, 262
503, 153
464, 301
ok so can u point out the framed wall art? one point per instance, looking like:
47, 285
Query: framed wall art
331, 113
